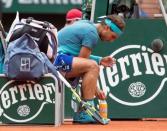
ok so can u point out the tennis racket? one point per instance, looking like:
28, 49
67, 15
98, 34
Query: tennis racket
89, 109
3, 36
2, 30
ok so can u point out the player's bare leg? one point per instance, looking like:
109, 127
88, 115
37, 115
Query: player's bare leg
89, 70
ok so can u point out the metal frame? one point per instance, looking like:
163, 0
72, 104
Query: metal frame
163, 11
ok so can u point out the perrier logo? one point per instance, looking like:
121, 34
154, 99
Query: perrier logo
22, 102
138, 76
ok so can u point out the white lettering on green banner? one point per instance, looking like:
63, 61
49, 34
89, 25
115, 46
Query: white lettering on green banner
139, 73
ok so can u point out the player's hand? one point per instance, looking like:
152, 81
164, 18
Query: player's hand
100, 94
107, 61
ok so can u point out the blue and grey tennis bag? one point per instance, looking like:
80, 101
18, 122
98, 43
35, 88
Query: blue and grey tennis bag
24, 60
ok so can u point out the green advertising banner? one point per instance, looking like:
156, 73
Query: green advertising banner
40, 6
136, 84
28, 102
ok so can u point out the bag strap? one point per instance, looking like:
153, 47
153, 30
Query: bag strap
51, 67
43, 47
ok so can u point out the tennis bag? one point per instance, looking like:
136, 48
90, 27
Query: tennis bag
24, 60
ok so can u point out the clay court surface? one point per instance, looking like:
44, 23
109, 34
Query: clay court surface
112, 126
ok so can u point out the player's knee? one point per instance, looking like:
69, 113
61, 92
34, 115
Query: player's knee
94, 67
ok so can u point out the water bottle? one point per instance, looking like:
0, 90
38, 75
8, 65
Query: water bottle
103, 109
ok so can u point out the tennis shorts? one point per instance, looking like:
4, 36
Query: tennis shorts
63, 62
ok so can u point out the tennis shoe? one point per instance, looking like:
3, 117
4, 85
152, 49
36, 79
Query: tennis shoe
83, 118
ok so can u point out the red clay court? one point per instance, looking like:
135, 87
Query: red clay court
112, 126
